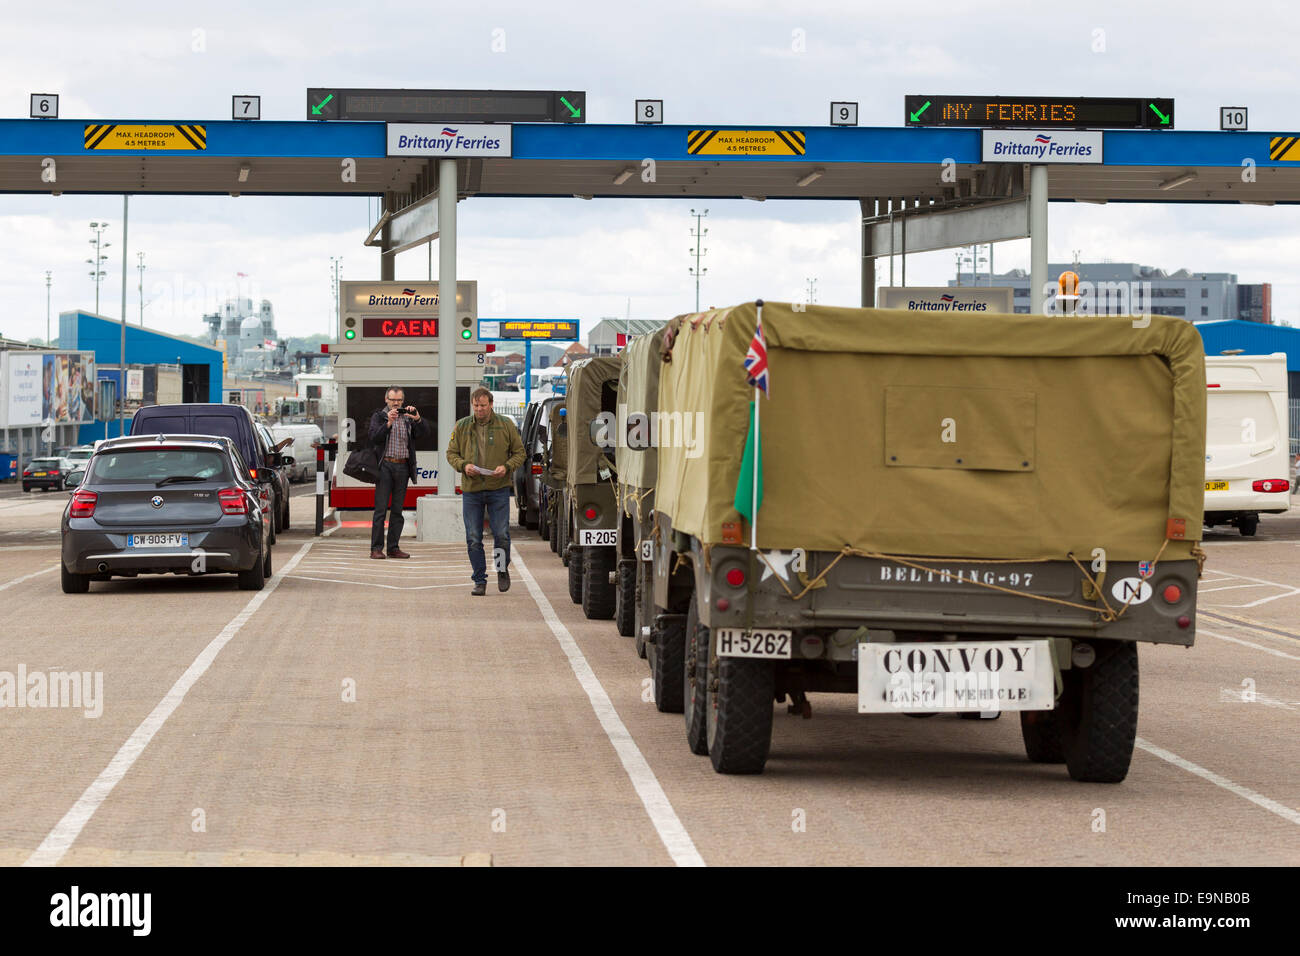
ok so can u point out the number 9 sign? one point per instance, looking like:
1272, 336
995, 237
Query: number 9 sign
844, 114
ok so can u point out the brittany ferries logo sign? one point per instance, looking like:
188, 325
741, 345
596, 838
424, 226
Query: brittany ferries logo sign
1041, 146
458, 139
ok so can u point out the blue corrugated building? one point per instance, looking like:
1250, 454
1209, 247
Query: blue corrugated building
200, 365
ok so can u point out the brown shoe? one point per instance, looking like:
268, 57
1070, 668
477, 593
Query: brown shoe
377, 554
398, 553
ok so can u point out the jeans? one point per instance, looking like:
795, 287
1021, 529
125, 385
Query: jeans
393, 479
497, 505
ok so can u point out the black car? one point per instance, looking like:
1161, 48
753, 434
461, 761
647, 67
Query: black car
529, 489
48, 473
167, 504
282, 470
231, 421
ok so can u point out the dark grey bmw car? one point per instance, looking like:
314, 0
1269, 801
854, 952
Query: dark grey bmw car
166, 504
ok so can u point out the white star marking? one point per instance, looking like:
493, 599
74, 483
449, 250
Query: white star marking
776, 563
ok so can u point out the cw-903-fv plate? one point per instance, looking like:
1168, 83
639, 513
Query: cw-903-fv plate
171, 539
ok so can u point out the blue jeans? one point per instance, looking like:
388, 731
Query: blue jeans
393, 479
497, 505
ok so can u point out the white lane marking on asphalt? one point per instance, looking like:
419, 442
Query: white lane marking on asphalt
29, 547
1258, 647
28, 577
66, 831
1231, 587
368, 584
676, 840
1272, 806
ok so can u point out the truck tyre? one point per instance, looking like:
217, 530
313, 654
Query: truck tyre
625, 597
532, 517
574, 556
1248, 526
739, 715
73, 583
564, 542
668, 661
1099, 711
598, 595
543, 531
695, 683
553, 532
639, 622
1041, 730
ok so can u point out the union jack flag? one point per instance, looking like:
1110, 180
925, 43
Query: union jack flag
756, 360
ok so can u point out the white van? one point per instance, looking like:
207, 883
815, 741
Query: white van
302, 450
1247, 457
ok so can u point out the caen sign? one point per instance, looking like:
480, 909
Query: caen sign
399, 328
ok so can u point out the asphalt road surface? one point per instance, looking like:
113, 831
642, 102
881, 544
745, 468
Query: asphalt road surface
373, 712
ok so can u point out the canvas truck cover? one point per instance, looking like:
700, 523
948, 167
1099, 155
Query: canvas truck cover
638, 401
1064, 434
587, 378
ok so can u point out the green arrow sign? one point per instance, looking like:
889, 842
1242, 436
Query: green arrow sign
574, 113
315, 110
916, 117
1164, 120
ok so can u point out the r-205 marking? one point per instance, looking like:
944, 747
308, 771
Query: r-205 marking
595, 537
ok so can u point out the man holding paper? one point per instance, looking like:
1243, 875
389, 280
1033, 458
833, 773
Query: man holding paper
486, 448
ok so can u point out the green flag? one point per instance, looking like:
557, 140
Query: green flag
753, 458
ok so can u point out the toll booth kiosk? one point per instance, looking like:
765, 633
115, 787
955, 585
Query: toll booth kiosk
388, 337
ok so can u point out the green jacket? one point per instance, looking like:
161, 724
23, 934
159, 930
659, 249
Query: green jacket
505, 447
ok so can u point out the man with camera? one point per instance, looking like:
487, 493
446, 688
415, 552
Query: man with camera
394, 429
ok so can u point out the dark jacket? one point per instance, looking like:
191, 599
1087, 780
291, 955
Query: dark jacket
379, 430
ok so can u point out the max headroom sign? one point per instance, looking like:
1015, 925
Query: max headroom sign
452, 139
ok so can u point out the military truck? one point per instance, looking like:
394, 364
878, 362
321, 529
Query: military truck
955, 515
555, 457
590, 499
636, 461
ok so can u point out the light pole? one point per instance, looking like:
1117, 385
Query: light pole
698, 234
48, 274
812, 290
140, 257
96, 273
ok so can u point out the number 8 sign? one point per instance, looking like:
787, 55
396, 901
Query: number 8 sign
649, 111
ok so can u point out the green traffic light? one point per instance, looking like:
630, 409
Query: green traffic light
350, 334
465, 333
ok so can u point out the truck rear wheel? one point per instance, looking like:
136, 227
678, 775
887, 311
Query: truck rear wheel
543, 531
625, 597
598, 596
1099, 710
739, 715
553, 532
574, 556
1041, 730
1248, 525
695, 683
667, 659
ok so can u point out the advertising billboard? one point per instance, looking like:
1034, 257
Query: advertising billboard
41, 387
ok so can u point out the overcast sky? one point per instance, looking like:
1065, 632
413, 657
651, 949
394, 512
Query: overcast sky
711, 61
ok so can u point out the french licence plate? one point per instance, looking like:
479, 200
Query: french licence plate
593, 537
172, 539
737, 642
1216, 486
955, 677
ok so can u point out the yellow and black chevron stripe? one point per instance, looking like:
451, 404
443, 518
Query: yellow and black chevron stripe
1284, 148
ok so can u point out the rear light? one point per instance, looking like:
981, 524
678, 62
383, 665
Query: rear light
1173, 594
590, 514
232, 501
27, 474
537, 469
252, 472
83, 504
1184, 621
736, 577
723, 604
1267, 485
54, 471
